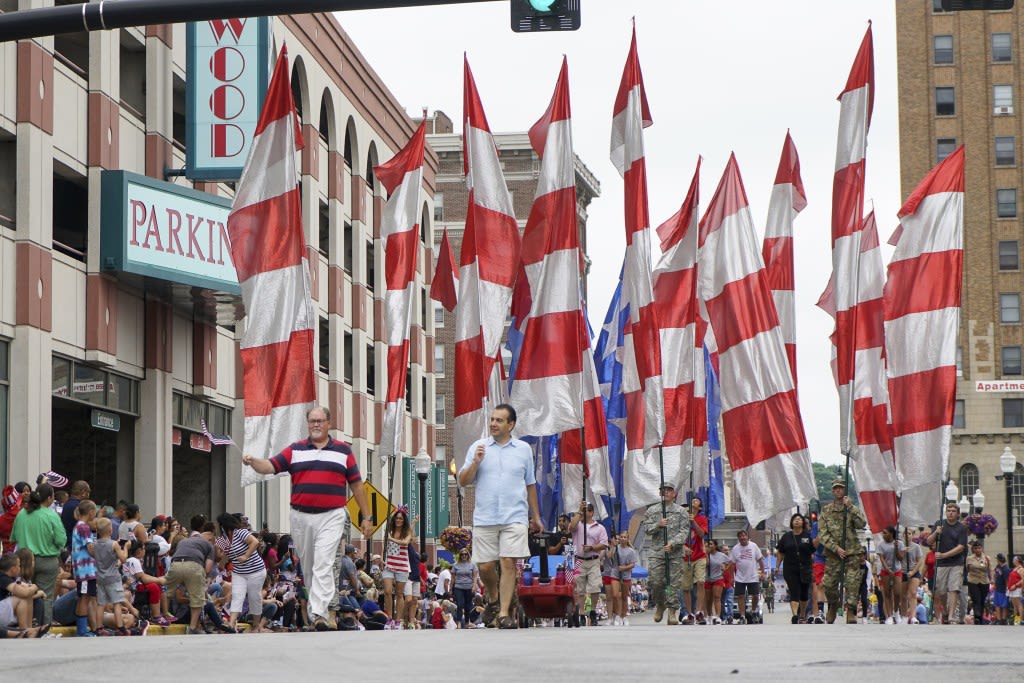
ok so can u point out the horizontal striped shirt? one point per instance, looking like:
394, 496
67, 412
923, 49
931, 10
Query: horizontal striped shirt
320, 476
238, 546
397, 557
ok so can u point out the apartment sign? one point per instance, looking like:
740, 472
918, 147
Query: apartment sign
157, 229
998, 387
227, 73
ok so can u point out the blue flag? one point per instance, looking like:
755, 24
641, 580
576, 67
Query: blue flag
608, 359
713, 495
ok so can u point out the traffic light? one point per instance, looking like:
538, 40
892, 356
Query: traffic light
530, 16
965, 5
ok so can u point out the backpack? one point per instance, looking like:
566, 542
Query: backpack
151, 563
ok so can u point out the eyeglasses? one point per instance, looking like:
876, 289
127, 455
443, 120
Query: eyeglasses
317, 422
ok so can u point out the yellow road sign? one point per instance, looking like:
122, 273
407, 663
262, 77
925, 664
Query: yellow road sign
380, 507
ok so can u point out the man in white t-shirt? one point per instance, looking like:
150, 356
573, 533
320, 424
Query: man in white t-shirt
749, 564
443, 587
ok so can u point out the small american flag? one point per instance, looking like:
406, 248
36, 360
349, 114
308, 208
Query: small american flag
216, 440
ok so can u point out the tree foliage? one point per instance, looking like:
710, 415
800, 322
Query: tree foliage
824, 475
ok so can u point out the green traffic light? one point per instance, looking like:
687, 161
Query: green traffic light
542, 5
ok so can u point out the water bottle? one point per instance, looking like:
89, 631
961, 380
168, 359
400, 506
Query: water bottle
527, 578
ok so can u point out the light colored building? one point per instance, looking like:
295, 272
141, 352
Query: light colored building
106, 374
959, 83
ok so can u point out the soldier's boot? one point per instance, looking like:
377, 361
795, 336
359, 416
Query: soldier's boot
830, 616
851, 615
673, 618
659, 612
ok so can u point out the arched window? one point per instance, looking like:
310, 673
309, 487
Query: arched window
1017, 497
969, 480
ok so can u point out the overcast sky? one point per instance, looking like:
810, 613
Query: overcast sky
721, 76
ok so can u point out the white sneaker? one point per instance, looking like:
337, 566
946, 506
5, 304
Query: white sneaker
889, 620
623, 621
715, 621
615, 620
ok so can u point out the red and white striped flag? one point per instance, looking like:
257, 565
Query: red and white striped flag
872, 465
642, 381
922, 302
555, 384
487, 264
444, 286
269, 250
682, 360
788, 199
400, 234
856, 102
766, 445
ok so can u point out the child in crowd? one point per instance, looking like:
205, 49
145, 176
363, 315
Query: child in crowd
143, 582
15, 598
109, 589
83, 564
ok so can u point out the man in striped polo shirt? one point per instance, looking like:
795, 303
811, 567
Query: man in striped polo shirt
322, 469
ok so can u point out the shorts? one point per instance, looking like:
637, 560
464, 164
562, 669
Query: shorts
694, 573
589, 579
708, 585
949, 579
752, 588
818, 569
607, 580
193, 575
85, 588
109, 592
7, 612
911, 577
999, 599
1013, 594
490, 543
411, 587
890, 579
398, 577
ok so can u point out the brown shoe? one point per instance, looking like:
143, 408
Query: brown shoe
659, 612
490, 615
673, 618
830, 616
851, 616
507, 623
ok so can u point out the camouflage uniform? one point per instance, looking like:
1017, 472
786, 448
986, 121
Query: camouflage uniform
830, 525
678, 531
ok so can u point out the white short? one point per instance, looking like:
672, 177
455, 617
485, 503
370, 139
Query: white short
491, 543
7, 613
1015, 593
397, 577
412, 588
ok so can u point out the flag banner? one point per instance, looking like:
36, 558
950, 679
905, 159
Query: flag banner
215, 440
268, 248
767, 448
713, 494
922, 301
400, 235
488, 263
444, 287
787, 200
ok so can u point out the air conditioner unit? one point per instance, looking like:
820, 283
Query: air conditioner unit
1003, 111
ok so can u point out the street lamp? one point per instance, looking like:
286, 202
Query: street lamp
458, 487
952, 492
965, 506
423, 471
979, 501
1008, 465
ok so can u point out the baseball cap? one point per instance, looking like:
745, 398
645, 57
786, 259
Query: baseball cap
349, 549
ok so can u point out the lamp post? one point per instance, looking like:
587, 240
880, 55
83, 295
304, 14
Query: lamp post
979, 501
458, 488
1008, 465
423, 471
965, 506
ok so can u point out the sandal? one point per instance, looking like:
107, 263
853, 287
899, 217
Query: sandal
507, 622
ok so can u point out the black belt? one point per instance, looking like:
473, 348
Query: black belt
592, 557
311, 510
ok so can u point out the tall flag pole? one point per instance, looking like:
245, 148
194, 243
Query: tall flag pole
767, 448
642, 383
268, 248
787, 200
487, 272
922, 301
856, 103
444, 286
682, 347
400, 233
872, 459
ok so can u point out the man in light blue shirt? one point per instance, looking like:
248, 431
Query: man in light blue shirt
502, 470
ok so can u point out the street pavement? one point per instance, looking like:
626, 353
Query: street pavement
776, 651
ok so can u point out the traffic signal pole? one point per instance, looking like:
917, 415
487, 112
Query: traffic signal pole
109, 14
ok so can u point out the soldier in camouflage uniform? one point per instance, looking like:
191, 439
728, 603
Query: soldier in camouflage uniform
844, 557
677, 520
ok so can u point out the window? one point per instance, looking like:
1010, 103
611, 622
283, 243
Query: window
4, 383
1011, 360
959, 361
1002, 96
943, 49
1017, 496
439, 410
1013, 412
1006, 150
937, 6
1009, 308
370, 268
441, 455
86, 384
439, 359
945, 101
958, 416
438, 314
347, 249
943, 148
1009, 255
325, 230
1001, 47
190, 412
371, 371
1006, 203
438, 206
325, 346
347, 365
969, 480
